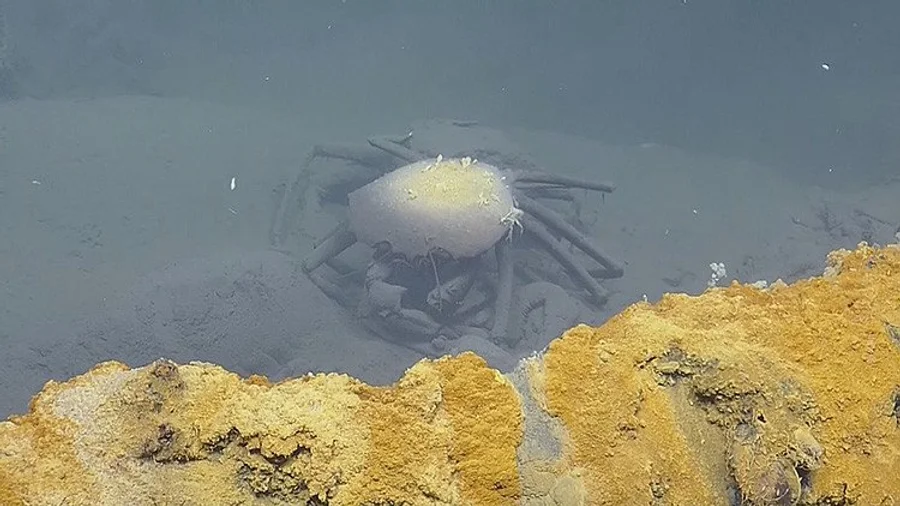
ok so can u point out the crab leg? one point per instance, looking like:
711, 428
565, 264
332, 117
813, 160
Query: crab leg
331, 290
339, 239
381, 296
382, 306
288, 207
576, 270
409, 327
504, 292
534, 176
414, 322
613, 268
362, 154
549, 192
396, 148
446, 297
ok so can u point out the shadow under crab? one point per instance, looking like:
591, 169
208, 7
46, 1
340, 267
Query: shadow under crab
432, 224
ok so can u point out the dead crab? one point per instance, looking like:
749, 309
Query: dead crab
431, 224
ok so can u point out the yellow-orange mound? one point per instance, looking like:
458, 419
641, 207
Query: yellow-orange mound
778, 396
789, 395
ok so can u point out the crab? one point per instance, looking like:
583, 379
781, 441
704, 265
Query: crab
431, 226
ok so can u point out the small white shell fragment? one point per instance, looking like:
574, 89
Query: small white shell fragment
233, 183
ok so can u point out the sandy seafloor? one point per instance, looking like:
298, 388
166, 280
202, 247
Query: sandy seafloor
120, 237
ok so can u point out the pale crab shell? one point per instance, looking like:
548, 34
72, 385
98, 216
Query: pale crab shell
458, 205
